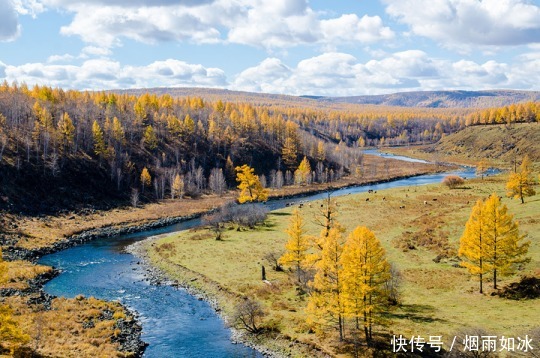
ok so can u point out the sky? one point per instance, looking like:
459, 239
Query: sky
296, 47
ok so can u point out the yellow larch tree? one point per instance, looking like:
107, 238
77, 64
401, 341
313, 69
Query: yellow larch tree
474, 246
297, 247
481, 168
150, 138
365, 270
289, 152
249, 185
325, 306
519, 184
303, 172
505, 244
99, 142
66, 129
177, 187
146, 178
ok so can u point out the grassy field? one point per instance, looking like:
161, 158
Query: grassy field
437, 298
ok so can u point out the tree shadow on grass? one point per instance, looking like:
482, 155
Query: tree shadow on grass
415, 313
280, 214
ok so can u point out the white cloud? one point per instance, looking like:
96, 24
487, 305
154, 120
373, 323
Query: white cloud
259, 23
95, 51
100, 74
60, 58
341, 74
349, 27
465, 23
9, 24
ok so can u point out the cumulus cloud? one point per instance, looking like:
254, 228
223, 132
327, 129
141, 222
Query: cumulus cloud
341, 74
97, 74
470, 22
9, 24
260, 23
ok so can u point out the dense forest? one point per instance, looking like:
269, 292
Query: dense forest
107, 148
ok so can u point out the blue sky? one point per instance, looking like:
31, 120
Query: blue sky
298, 47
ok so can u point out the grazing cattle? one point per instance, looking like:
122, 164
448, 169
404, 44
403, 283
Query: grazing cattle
367, 199
384, 198
402, 207
425, 202
434, 199
301, 206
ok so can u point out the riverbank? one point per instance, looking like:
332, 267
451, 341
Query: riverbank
437, 296
63, 327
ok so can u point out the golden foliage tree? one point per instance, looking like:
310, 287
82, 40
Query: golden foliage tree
99, 142
150, 138
303, 172
326, 304
249, 185
177, 187
365, 271
297, 246
481, 168
289, 152
146, 178
66, 130
473, 245
505, 247
519, 184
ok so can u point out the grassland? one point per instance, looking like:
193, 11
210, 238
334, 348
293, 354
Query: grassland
438, 298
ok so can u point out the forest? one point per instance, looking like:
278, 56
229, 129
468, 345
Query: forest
103, 148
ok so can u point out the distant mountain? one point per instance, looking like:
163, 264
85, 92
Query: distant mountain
443, 99
422, 99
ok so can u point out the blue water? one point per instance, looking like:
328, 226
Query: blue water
175, 324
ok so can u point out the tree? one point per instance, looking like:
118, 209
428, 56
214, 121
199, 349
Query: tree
177, 187
150, 139
365, 272
289, 152
505, 249
249, 185
481, 168
303, 171
453, 181
66, 130
326, 304
473, 244
146, 178
297, 246
99, 143
519, 184
216, 181
248, 315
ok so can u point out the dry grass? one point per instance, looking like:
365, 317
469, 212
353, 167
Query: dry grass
77, 327
438, 298
20, 272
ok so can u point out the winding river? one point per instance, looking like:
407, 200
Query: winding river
175, 324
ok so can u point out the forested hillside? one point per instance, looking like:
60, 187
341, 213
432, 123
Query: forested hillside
443, 99
60, 149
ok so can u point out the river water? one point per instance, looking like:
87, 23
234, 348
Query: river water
175, 324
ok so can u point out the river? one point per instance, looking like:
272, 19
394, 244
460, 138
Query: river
175, 324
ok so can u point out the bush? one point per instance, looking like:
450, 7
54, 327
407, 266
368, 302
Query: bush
247, 215
248, 315
453, 181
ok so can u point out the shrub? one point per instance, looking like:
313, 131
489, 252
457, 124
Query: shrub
453, 181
